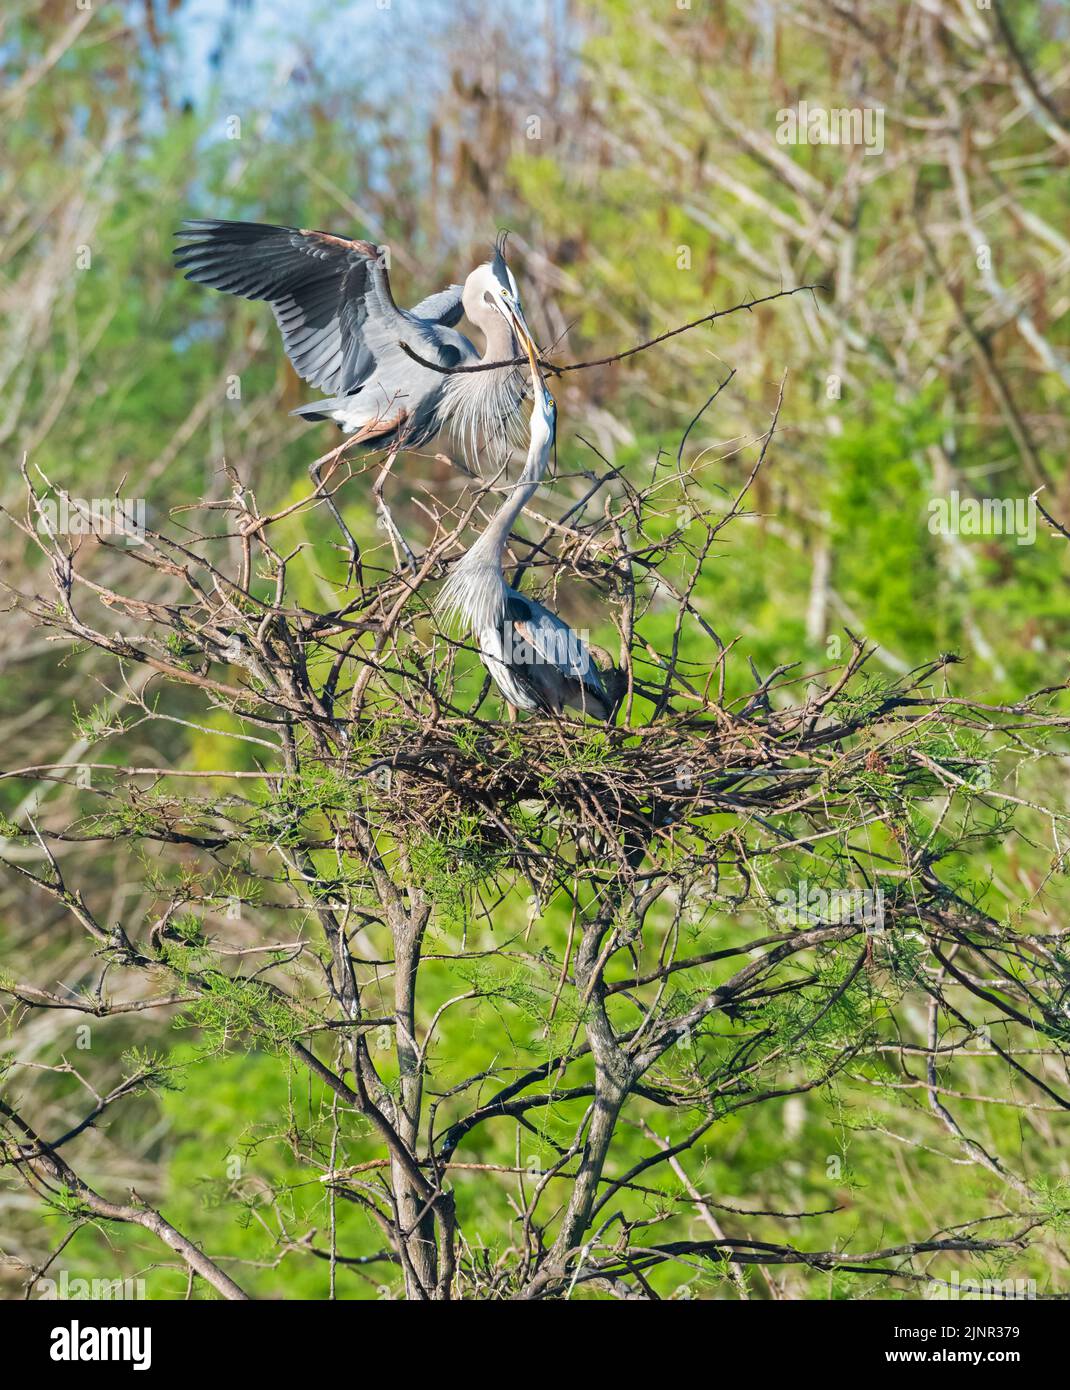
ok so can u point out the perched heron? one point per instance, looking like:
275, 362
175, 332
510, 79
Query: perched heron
343, 333
535, 659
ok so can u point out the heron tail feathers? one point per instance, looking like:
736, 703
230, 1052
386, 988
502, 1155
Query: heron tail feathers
333, 408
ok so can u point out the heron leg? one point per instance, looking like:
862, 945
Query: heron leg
398, 543
320, 472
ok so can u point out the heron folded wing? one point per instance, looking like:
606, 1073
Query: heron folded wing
330, 295
556, 663
552, 642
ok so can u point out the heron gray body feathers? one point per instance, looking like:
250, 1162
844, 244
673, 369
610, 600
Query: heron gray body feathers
539, 663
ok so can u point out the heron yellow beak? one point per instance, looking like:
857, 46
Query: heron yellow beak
511, 311
532, 352
523, 333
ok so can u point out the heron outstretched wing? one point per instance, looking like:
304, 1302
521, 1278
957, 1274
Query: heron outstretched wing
330, 295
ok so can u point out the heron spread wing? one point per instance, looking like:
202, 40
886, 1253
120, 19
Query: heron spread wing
331, 298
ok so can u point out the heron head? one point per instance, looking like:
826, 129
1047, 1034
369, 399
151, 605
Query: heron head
493, 284
543, 407
501, 271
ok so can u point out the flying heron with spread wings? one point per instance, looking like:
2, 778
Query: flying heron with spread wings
345, 335
534, 658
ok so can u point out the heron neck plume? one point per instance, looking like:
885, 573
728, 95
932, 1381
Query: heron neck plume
482, 408
476, 589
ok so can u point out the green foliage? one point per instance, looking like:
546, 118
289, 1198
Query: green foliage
240, 1013
155, 1072
450, 864
99, 723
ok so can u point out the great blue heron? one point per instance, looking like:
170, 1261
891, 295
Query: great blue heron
343, 333
535, 659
